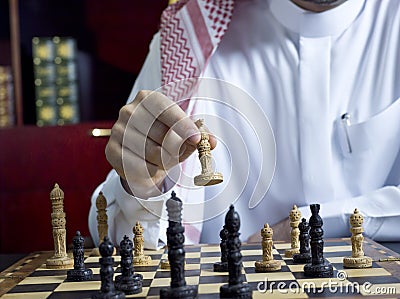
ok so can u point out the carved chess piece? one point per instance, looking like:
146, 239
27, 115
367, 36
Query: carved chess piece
319, 266
305, 252
268, 264
207, 177
294, 216
357, 258
138, 240
128, 282
79, 273
102, 221
176, 253
222, 266
60, 259
235, 288
106, 261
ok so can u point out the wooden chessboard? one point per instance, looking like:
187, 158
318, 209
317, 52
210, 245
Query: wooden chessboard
29, 278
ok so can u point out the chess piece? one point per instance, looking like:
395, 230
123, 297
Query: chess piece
128, 282
102, 221
207, 177
305, 252
107, 289
176, 253
139, 259
222, 266
357, 258
268, 264
60, 259
294, 216
79, 273
235, 287
319, 267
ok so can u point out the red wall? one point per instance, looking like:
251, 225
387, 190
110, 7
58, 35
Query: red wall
32, 160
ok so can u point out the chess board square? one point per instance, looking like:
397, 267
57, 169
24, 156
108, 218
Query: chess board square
339, 254
78, 286
213, 248
145, 268
36, 295
300, 275
210, 260
26, 288
192, 248
213, 279
43, 280
341, 248
42, 273
374, 279
281, 246
270, 276
192, 260
211, 254
210, 272
189, 255
366, 272
210, 288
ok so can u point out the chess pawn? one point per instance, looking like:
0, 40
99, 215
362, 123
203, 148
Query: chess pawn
79, 273
357, 258
294, 216
107, 290
60, 259
207, 177
102, 221
305, 252
222, 266
268, 264
128, 282
139, 258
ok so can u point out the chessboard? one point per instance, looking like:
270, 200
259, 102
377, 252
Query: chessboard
29, 277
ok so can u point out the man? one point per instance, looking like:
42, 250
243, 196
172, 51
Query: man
325, 76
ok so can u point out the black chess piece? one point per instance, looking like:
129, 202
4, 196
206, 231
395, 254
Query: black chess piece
107, 290
222, 266
128, 282
176, 253
235, 288
319, 267
305, 252
79, 273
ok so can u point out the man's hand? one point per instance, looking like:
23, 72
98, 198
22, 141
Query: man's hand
152, 134
281, 232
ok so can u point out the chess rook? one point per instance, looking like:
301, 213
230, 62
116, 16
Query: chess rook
176, 253
60, 259
305, 252
128, 282
79, 273
222, 266
319, 267
207, 177
294, 216
107, 290
268, 264
357, 258
235, 288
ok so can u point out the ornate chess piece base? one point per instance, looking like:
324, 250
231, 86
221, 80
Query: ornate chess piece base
129, 285
302, 258
319, 270
208, 179
221, 267
187, 291
79, 275
59, 263
267, 266
165, 264
241, 291
292, 251
141, 260
357, 262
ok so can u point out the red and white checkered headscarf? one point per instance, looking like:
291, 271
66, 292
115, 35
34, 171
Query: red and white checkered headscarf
190, 30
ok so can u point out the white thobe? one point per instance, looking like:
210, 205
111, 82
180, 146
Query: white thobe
303, 71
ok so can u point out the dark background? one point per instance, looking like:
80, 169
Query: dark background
112, 38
